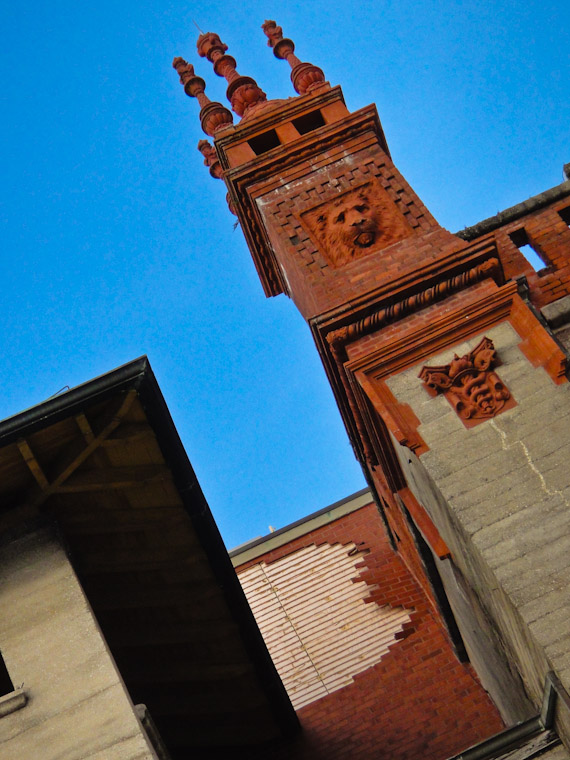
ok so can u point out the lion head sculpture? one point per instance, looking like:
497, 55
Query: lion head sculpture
349, 221
359, 221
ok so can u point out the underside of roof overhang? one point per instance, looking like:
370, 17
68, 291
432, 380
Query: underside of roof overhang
105, 463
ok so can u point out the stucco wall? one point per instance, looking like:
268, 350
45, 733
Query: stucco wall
500, 495
77, 705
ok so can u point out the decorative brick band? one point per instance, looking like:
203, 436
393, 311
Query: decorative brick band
338, 339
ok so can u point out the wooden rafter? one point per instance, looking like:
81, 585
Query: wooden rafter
33, 464
129, 432
114, 478
100, 456
55, 485
85, 427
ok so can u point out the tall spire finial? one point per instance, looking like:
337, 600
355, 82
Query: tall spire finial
304, 76
212, 115
242, 92
212, 161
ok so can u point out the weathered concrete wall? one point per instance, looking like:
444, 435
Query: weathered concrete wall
77, 704
499, 494
484, 647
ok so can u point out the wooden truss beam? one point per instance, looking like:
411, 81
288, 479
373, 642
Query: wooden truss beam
93, 442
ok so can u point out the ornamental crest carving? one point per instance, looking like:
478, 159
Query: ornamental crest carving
470, 385
357, 222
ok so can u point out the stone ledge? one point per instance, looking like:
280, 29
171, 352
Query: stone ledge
557, 313
13, 701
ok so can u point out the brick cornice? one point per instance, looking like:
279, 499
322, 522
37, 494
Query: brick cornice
339, 338
512, 214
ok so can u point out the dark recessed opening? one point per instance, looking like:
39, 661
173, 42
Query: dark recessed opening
6, 685
528, 250
264, 142
519, 237
564, 214
430, 565
308, 122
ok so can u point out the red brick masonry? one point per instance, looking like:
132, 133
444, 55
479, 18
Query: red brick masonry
419, 702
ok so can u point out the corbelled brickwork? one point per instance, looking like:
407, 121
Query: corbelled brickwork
419, 700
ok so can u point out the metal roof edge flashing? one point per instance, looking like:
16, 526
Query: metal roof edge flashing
129, 375
255, 547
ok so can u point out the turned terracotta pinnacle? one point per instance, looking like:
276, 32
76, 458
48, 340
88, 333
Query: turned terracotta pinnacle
243, 92
213, 115
304, 76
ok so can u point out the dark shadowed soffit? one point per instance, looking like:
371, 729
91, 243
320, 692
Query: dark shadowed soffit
104, 463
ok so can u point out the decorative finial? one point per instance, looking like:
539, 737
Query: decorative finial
211, 159
213, 163
304, 76
213, 115
242, 92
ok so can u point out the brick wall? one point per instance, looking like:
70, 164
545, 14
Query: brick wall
419, 701
371, 317
548, 233
317, 287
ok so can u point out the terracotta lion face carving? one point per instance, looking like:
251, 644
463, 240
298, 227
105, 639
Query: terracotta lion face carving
356, 223
349, 221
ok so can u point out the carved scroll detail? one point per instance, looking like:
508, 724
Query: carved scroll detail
469, 383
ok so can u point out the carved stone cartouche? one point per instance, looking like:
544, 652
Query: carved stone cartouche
469, 383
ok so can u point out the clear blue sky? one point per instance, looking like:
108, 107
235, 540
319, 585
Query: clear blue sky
116, 242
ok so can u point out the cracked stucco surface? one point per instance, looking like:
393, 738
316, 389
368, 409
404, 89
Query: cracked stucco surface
506, 486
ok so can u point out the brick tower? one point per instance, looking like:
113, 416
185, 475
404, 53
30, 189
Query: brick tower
445, 373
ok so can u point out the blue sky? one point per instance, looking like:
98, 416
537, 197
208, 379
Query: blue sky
116, 242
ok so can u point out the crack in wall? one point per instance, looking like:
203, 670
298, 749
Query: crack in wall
505, 445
